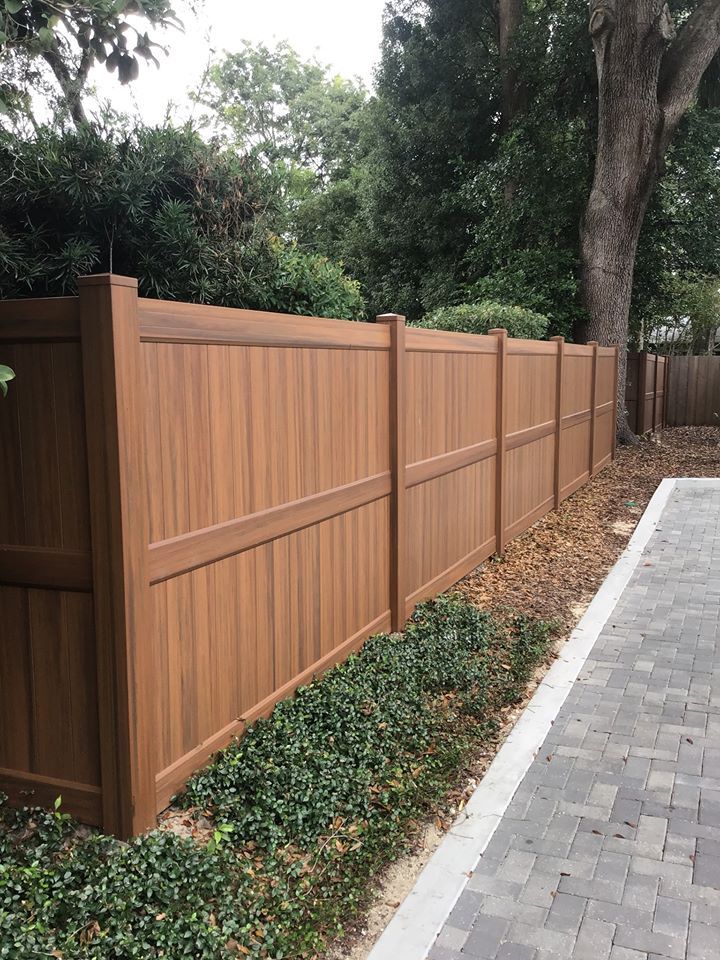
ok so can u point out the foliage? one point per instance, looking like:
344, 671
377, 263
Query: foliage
307, 806
185, 217
6, 375
71, 36
455, 209
483, 316
302, 122
680, 243
693, 315
433, 123
284, 109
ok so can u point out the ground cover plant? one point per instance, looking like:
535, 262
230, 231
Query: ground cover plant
303, 811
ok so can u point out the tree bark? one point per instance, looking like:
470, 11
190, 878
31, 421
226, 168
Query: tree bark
647, 78
510, 15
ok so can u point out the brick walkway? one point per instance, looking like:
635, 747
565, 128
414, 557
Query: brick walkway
610, 847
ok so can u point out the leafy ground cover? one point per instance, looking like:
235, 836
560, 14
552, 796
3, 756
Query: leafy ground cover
303, 811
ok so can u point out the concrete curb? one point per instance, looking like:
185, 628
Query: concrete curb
417, 922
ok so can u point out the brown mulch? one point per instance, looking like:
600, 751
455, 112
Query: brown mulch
553, 570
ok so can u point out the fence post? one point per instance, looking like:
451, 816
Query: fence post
615, 399
655, 394
558, 414
398, 571
593, 405
500, 432
119, 530
642, 388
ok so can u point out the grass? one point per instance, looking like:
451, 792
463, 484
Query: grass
306, 809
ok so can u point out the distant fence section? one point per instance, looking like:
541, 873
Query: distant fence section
645, 391
205, 507
694, 391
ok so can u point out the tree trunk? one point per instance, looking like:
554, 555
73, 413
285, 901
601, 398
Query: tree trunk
514, 93
70, 86
644, 87
628, 52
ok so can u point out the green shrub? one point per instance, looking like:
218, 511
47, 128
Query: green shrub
307, 807
191, 221
483, 316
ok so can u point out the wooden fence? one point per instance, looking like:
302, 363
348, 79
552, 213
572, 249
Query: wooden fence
205, 507
645, 389
694, 391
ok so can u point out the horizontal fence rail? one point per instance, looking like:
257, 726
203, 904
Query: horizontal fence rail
694, 391
207, 507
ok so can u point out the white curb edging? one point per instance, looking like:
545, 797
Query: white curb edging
417, 922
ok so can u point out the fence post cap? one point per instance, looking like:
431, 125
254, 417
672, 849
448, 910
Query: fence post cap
557, 339
498, 332
107, 280
390, 318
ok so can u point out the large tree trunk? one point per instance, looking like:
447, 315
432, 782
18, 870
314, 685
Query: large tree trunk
629, 45
644, 87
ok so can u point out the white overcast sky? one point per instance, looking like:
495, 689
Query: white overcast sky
341, 33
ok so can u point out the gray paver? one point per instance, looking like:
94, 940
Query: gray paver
610, 849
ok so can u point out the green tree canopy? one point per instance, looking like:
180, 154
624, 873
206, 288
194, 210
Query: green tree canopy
69, 37
457, 208
303, 123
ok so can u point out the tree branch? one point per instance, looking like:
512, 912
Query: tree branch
69, 87
686, 60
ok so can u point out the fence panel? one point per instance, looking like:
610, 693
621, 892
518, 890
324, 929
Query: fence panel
48, 689
645, 388
576, 407
449, 411
269, 512
693, 392
530, 400
605, 407
208, 507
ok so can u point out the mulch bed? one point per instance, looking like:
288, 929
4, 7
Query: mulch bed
553, 570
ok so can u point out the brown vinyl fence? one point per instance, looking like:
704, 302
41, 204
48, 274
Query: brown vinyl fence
694, 391
645, 390
204, 507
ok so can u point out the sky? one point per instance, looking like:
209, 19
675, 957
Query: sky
342, 34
